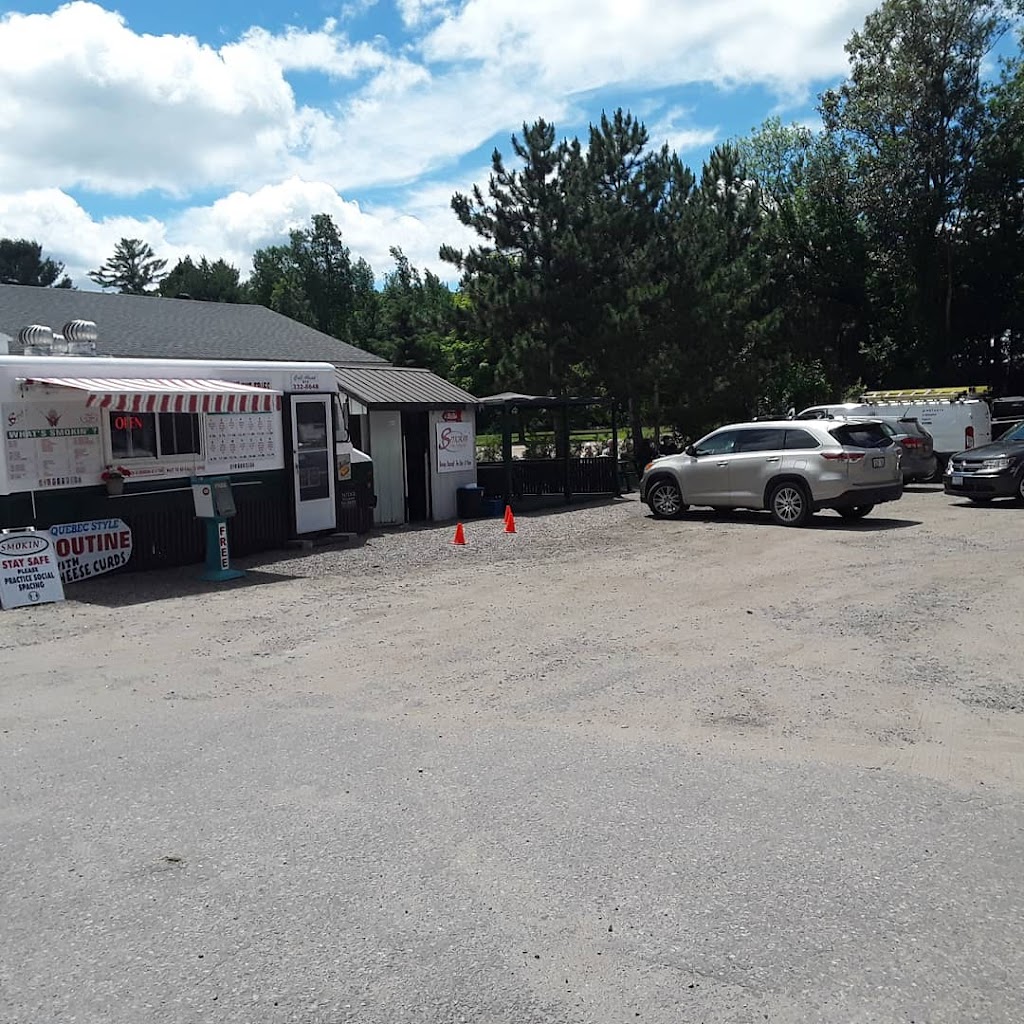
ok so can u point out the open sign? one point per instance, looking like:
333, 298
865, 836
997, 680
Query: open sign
126, 421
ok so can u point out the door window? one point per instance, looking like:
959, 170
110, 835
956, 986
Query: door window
762, 439
310, 425
314, 475
722, 443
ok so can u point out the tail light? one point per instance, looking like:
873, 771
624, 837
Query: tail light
843, 456
969, 437
912, 443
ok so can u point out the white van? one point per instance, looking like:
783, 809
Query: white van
957, 418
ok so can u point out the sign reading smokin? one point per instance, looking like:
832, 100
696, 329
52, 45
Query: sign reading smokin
455, 447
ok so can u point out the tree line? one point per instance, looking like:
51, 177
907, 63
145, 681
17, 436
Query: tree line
795, 266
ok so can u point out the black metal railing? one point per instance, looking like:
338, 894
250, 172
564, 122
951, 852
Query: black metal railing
541, 477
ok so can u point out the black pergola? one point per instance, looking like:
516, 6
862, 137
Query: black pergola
575, 475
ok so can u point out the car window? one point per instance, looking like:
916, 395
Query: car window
911, 427
813, 414
862, 435
761, 439
722, 443
801, 439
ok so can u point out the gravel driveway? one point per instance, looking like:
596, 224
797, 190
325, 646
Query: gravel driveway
606, 770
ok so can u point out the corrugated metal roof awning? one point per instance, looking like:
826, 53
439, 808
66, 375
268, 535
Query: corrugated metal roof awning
164, 394
394, 386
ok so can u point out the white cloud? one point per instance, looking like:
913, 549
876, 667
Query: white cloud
300, 50
576, 45
100, 106
93, 104
235, 226
416, 12
674, 128
69, 234
242, 222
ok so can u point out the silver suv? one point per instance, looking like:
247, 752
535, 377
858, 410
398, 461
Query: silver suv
791, 469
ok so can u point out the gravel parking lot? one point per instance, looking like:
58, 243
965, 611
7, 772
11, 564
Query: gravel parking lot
607, 770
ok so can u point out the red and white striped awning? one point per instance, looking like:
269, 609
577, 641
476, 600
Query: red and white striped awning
164, 395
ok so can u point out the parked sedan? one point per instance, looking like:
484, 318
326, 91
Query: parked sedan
791, 469
994, 470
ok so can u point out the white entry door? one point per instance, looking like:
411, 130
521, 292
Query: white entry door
313, 463
388, 466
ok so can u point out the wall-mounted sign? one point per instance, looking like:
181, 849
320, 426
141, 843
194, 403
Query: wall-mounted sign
89, 549
243, 442
51, 444
28, 570
452, 415
455, 447
299, 382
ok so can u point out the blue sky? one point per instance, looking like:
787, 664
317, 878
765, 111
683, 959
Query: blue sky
213, 128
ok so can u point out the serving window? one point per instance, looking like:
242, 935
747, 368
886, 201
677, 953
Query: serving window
153, 435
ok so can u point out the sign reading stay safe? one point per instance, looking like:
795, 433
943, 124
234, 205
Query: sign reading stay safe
29, 573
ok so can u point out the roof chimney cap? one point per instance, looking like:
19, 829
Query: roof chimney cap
36, 339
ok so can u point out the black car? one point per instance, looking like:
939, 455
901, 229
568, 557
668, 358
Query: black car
994, 470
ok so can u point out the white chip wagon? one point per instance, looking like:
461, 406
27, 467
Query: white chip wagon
89, 439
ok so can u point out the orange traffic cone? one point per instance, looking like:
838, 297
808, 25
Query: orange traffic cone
508, 514
460, 535
510, 520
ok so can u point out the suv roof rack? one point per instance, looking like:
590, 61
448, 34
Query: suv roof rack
927, 394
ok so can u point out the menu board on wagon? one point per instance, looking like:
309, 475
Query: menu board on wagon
51, 446
238, 442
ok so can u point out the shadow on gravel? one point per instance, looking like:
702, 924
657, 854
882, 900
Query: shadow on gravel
995, 505
124, 590
558, 507
524, 508
821, 521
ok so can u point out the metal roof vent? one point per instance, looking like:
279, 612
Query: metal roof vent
80, 336
37, 339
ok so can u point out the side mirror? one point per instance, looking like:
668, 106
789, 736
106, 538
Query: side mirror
691, 451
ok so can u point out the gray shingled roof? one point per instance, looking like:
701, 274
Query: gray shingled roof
394, 386
149, 327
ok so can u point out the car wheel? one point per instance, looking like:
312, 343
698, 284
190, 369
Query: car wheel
856, 512
665, 499
789, 504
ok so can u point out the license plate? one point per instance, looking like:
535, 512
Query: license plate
958, 481
878, 462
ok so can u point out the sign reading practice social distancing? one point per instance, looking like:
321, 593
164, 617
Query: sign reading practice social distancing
89, 549
29, 573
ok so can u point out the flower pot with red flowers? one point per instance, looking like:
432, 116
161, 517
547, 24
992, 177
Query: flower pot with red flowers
114, 478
